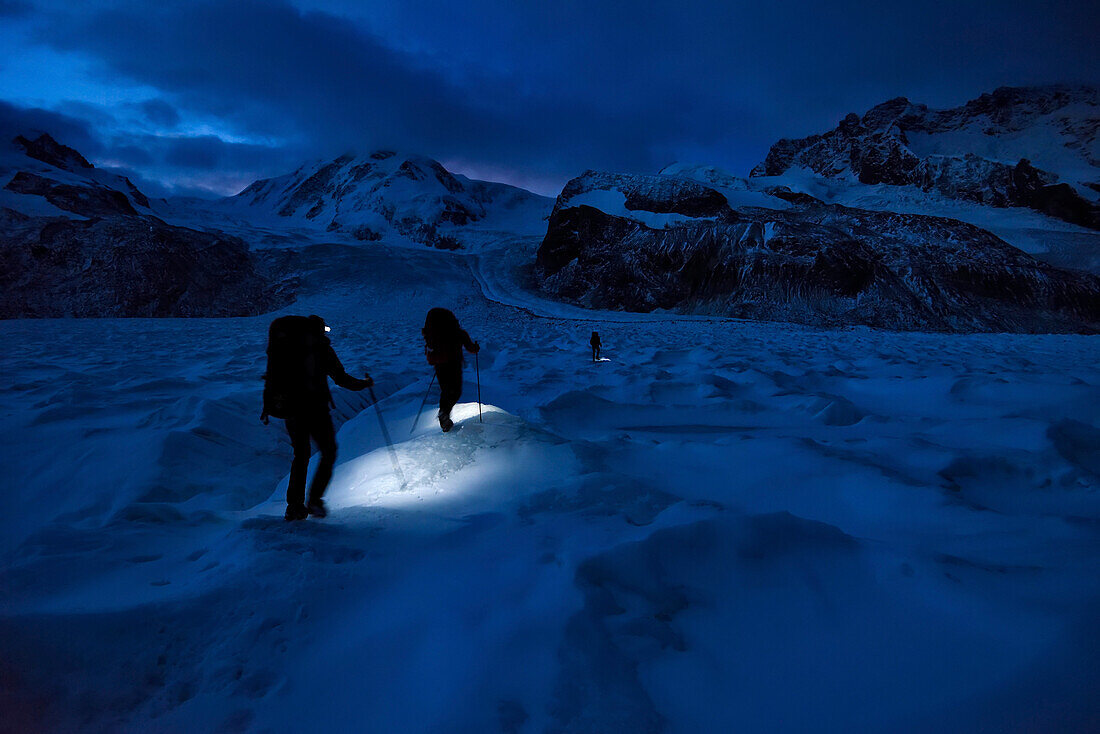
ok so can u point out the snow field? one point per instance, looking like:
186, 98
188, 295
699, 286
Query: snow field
726, 524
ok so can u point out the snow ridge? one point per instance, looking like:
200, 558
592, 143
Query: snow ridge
1030, 146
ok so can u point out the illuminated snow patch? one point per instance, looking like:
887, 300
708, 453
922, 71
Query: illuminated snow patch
475, 459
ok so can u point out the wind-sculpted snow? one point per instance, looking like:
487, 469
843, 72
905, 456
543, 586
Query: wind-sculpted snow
1033, 147
796, 260
723, 526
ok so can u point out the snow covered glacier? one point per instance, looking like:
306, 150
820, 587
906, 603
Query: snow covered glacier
725, 525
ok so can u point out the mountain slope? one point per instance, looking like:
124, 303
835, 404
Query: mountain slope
367, 196
77, 241
641, 243
1034, 147
44, 177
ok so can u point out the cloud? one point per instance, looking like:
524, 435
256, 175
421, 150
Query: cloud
542, 91
159, 113
131, 155
198, 164
270, 70
160, 165
32, 121
15, 9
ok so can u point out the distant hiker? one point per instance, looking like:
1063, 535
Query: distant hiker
300, 360
443, 343
596, 344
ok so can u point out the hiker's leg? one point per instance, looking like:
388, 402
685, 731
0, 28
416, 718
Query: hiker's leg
325, 436
298, 430
450, 387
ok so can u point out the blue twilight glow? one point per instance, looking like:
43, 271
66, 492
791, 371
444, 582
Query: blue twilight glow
204, 97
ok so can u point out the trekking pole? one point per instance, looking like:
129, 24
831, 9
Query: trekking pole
416, 419
477, 371
389, 442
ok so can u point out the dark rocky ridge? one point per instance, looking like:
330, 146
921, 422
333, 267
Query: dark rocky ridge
127, 266
44, 148
876, 149
85, 200
112, 257
812, 263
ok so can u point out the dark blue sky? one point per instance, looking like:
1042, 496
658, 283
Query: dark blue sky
210, 95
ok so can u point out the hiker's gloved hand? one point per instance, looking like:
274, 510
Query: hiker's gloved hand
368, 381
476, 348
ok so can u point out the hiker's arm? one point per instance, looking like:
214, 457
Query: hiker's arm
342, 378
471, 346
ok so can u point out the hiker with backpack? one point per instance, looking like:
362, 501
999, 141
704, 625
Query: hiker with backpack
444, 341
300, 361
595, 343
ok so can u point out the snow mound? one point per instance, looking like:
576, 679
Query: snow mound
495, 460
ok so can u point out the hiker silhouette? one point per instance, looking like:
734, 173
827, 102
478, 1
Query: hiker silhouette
596, 344
444, 340
300, 360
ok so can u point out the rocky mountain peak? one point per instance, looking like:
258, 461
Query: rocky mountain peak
970, 152
47, 150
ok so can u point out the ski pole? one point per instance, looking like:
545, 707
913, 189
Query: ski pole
389, 442
416, 419
477, 371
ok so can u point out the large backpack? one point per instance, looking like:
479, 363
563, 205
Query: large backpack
293, 347
441, 330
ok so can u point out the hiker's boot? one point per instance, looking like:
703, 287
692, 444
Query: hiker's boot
446, 423
317, 508
295, 512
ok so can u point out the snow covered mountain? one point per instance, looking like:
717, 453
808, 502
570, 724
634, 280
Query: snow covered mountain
51, 179
77, 241
1034, 147
665, 242
369, 195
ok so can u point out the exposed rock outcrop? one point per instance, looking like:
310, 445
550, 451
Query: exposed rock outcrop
76, 241
987, 151
128, 266
44, 148
85, 200
802, 260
